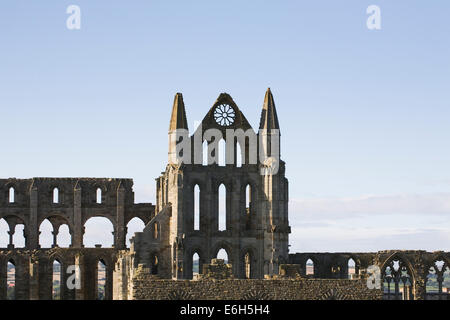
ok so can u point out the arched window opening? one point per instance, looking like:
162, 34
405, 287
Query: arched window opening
195, 265
99, 196
387, 280
11, 281
4, 233
248, 265
222, 254
56, 280
438, 282
309, 267
19, 236
222, 152
46, 234
98, 231
196, 207
351, 269
248, 209
432, 286
154, 261
133, 226
397, 283
446, 283
55, 195
101, 280
11, 195
64, 239
248, 196
238, 155
222, 207
155, 230
205, 153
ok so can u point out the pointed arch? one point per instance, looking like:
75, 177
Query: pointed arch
351, 268
248, 196
222, 207
397, 278
46, 234
195, 264
218, 251
197, 207
205, 153
98, 195
238, 154
310, 267
101, 279
221, 153
248, 207
11, 195
223, 254
64, 237
437, 281
56, 195
11, 280
57, 282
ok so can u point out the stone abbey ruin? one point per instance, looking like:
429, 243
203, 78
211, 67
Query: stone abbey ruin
253, 229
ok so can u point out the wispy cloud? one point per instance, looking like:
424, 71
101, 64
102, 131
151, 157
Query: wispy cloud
371, 223
425, 204
341, 239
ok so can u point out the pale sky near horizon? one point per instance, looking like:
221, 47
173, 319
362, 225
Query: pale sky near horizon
364, 114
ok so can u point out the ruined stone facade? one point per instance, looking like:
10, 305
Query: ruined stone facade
253, 230
255, 237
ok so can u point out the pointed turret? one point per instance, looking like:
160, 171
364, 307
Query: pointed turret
178, 119
269, 134
178, 130
269, 118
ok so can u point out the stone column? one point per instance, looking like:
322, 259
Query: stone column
3, 278
80, 292
419, 288
34, 278
233, 223
109, 283
77, 236
11, 235
32, 239
55, 236
21, 289
119, 231
179, 256
206, 209
420, 273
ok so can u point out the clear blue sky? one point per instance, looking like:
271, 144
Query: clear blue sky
364, 114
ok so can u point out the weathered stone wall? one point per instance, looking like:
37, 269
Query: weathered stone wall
147, 288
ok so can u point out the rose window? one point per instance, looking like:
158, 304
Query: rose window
224, 115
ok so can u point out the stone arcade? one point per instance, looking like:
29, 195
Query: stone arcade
159, 264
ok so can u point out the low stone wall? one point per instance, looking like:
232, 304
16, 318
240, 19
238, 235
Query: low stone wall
147, 288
